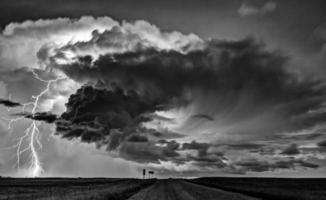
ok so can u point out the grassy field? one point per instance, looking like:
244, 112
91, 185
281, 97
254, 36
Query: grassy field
57, 188
162, 189
270, 188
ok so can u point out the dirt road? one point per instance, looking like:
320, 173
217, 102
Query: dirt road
172, 189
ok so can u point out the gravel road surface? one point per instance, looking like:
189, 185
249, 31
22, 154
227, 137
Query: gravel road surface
173, 189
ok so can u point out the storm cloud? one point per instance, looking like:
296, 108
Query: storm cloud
255, 165
291, 150
39, 116
238, 87
109, 117
165, 98
230, 81
9, 103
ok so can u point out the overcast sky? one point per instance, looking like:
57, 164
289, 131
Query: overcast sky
185, 88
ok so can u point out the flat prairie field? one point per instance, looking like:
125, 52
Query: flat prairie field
162, 189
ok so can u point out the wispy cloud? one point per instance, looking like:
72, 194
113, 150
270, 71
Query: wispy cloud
248, 9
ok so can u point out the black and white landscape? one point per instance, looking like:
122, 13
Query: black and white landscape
139, 99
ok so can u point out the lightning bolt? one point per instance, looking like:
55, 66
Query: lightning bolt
32, 132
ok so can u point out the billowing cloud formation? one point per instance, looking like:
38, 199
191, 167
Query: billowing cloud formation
104, 112
20, 42
172, 100
131, 37
249, 8
25, 52
243, 87
112, 118
238, 87
27, 43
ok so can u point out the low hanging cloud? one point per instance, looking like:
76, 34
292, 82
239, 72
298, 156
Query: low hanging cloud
9, 103
254, 165
322, 143
39, 116
291, 150
115, 113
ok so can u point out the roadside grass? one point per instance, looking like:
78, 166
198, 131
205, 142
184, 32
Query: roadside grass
270, 188
71, 189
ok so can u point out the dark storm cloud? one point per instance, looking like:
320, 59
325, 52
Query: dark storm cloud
161, 135
112, 118
233, 73
203, 157
39, 116
201, 149
145, 152
43, 116
196, 146
236, 87
307, 164
137, 138
292, 149
9, 103
216, 160
255, 165
127, 88
322, 143
244, 146
148, 151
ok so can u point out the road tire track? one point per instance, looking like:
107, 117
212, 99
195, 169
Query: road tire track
174, 189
